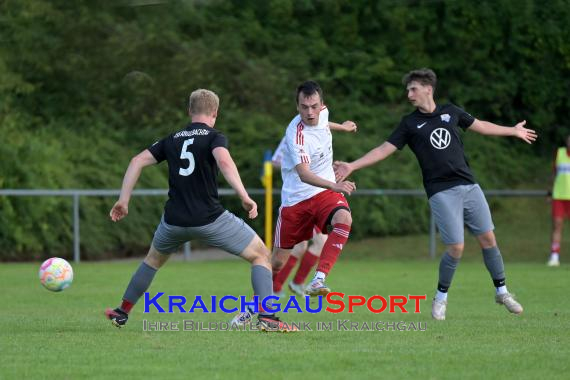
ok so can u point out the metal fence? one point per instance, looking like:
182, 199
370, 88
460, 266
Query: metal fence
77, 194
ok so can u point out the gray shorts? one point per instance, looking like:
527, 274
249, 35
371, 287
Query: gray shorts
461, 205
228, 232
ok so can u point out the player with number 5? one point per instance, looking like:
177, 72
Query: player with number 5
193, 210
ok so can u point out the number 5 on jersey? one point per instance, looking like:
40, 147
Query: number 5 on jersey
185, 155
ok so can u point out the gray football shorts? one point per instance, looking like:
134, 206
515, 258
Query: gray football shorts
227, 232
461, 205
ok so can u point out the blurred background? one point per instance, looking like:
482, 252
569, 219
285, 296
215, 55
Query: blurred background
85, 85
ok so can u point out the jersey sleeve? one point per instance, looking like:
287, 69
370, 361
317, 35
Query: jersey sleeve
464, 119
158, 151
219, 141
399, 137
279, 152
295, 142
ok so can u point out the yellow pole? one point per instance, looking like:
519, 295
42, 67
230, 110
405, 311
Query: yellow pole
268, 185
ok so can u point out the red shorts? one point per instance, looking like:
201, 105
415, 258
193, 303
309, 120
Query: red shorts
295, 223
560, 209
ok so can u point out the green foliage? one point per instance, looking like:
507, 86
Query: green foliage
84, 87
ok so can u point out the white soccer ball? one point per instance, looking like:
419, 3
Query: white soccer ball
56, 274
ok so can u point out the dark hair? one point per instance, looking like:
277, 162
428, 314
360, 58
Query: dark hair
309, 88
424, 76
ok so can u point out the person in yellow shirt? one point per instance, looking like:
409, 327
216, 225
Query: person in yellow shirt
560, 200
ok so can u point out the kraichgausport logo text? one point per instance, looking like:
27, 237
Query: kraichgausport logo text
334, 302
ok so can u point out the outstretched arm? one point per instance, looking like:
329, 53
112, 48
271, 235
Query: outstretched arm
490, 129
230, 172
347, 126
343, 169
307, 176
121, 207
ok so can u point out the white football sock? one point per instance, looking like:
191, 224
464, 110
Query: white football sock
440, 296
319, 276
502, 290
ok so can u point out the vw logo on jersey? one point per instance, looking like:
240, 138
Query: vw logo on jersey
440, 138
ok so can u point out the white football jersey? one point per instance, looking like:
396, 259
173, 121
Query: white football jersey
306, 144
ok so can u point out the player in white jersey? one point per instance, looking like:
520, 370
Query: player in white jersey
308, 254
310, 196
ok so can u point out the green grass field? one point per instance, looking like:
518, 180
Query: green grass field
65, 336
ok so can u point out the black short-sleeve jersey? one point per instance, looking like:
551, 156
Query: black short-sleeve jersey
434, 139
193, 191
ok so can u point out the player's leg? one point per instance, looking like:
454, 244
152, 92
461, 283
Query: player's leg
280, 277
233, 235
309, 260
143, 277
279, 260
334, 211
294, 225
261, 278
478, 220
557, 225
317, 243
495, 266
167, 239
299, 249
558, 213
447, 210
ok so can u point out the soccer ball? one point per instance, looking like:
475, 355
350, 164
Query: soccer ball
56, 274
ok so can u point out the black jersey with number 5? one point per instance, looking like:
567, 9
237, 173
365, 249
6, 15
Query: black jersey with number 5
434, 139
193, 191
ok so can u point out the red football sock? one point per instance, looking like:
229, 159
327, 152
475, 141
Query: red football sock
334, 244
307, 263
127, 306
281, 276
555, 248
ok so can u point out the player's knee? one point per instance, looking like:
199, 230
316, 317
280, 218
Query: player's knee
455, 250
278, 259
487, 240
263, 252
256, 252
343, 217
299, 249
262, 260
318, 243
277, 264
155, 259
558, 224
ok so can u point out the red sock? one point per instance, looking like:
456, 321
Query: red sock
127, 306
334, 244
280, 277
309, 260
555, 248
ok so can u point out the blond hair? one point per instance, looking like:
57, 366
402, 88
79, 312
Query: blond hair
203, 102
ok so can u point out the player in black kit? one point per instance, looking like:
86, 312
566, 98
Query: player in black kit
193, 210
454, 196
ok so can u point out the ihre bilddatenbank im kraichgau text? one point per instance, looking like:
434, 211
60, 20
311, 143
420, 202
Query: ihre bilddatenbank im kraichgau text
335, 303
